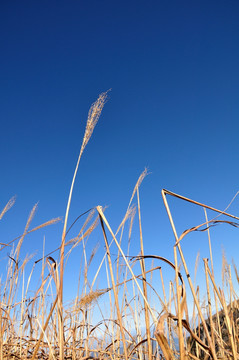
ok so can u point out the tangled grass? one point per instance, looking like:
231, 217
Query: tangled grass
133, 316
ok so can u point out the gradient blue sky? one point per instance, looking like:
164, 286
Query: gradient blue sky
173, 70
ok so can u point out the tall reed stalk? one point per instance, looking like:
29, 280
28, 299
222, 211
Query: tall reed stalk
92, 120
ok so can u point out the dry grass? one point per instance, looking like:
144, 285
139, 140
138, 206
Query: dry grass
135, 314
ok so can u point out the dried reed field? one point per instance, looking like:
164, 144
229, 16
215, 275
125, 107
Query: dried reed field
137, 315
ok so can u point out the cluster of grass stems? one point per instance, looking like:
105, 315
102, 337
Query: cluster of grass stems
129, 318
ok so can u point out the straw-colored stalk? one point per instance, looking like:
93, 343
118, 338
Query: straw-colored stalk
93, 117
142, 264
180, 331
209, 303
114, 290
99, 209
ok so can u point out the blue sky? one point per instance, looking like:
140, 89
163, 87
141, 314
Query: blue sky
173, 108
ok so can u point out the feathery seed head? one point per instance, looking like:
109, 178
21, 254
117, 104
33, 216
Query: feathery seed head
93, 117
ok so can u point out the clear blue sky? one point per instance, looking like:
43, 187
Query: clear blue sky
173, 70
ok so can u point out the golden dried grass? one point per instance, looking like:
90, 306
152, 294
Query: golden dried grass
131, 324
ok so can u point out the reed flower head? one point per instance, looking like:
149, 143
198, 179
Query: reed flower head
8, 206
93, 117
